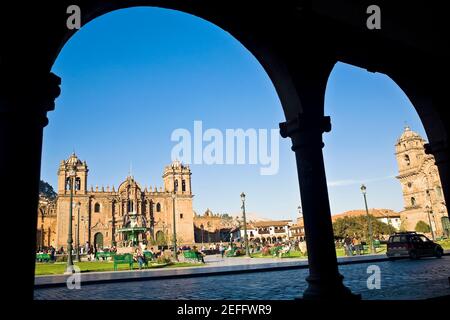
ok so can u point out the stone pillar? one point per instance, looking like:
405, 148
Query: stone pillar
440, 151
324, 280
25, 100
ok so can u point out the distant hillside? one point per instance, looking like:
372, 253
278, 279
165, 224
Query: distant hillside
250, 216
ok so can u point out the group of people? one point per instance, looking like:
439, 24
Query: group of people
50, 251
353, 245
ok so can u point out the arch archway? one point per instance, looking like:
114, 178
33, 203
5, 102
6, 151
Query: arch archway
98, 241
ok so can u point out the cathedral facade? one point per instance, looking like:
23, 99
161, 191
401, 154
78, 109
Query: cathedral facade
98, 214
421, 186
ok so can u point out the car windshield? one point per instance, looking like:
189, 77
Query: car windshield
424, 239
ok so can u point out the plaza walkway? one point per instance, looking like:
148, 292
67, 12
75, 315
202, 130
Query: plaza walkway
215, 265
402, 279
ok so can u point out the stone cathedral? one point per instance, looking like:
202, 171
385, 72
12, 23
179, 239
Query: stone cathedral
100, 212
421, 186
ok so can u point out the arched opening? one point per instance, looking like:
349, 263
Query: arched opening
407, 160
98, 241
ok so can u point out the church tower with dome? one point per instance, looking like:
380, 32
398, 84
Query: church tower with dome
421, 186
102, 210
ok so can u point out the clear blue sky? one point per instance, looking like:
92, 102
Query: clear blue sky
131, 77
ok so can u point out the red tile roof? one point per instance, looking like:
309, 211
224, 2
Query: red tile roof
377, 213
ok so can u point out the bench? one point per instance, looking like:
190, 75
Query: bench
123, 259
192, 256
274, 250
43, 257
284, 253
148, 256
231, 252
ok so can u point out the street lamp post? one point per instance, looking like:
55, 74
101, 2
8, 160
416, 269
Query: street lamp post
363, 190
175, 256
247, 251
72, 174
77, 257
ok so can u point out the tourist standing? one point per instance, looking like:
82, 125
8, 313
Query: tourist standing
221, 249
139, 258
357, 245
52, 253
348, 246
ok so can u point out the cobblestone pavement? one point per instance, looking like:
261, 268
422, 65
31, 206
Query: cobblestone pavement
402, 279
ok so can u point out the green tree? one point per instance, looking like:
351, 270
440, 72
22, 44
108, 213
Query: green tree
46, 190
359, 226
422, 227
403, 226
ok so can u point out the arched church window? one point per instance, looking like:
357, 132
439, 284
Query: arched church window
97, 207
183, 185
67, 183
407, 160
409, 184
176, 185
413, 201
77, 184
158, 207
130, 206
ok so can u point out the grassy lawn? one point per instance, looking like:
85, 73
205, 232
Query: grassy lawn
60, 267
293, 254
339, 252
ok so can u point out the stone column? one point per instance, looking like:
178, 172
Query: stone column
324, 280
440, 151
25, 100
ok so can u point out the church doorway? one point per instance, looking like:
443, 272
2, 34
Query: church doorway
98, 240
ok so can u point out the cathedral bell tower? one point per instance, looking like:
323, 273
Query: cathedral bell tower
81, 173
177, 177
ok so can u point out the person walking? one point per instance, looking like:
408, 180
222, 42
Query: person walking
357, 245
221, 249
348, 246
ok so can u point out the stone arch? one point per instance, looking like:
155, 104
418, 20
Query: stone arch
98, 240
271, 60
